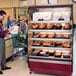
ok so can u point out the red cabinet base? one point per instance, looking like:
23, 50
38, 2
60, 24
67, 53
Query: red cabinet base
50, 68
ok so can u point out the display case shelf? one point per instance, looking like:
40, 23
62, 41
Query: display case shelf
50, 58
49, 21
50, 48
50, 39
46, 30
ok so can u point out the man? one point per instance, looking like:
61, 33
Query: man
2, 43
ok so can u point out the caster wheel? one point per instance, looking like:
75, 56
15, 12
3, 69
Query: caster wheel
30, 72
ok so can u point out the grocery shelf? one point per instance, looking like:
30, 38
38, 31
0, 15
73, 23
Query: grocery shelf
50, 48
50, 58
50, 39
46, 30
49, 21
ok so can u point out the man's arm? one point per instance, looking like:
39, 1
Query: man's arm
3, 32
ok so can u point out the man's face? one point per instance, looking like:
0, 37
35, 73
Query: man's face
2, 17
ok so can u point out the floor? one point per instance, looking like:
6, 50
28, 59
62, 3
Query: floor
20, 68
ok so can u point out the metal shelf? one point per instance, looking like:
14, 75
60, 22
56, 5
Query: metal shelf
49, 21
56, 31
50, 48
50, 58
50, 39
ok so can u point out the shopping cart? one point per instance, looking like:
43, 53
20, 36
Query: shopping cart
20, 40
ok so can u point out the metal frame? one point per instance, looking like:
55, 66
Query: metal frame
74, 1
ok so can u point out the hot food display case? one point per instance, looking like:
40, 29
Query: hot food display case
50, 42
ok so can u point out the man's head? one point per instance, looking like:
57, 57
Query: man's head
2, 15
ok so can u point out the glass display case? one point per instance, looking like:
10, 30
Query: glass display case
50, 39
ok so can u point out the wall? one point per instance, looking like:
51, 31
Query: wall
9, 11
9, 3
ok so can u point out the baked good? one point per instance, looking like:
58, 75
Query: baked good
36, 35
58, 53
66, 55
50, 26
51, 52
45, 50
58, 44
58, 35
47, 43
36, 43
58, 26
42, 53
66, 52
36, 51
67, 36
42, 26
67, 26
35, 26
43, 35
66, 44
51, 35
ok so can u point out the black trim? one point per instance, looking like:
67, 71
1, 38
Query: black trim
48, 58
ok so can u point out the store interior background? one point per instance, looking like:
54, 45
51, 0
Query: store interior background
12, 7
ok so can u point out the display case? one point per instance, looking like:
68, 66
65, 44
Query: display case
50, 39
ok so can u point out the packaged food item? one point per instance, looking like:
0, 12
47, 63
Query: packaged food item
67, 36
58, 26
51, 35
35, 52
45, 50
50, 26
66, 54
66, 44
67, 26
36, 35
58, 54
51, 52
43, 34
42, 26
58, 44
36, 43
35, 26
42, 53
58, 35
48, 43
